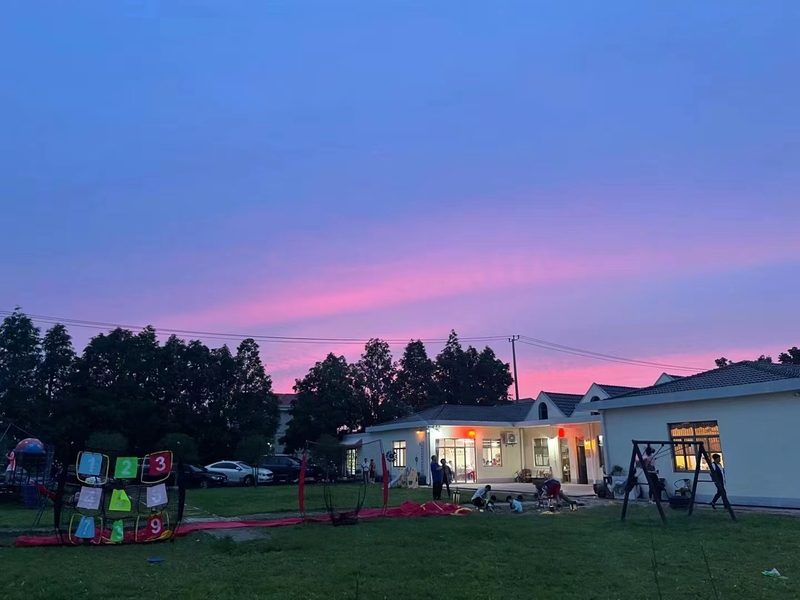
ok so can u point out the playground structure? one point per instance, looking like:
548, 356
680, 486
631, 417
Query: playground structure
346, 490
29, 472
637, 458
142, 501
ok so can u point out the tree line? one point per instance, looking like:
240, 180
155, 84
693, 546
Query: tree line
790, 357
127, 392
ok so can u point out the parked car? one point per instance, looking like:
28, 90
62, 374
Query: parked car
197, 476
238, 472
287, 469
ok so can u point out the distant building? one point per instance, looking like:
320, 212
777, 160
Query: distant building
284, 406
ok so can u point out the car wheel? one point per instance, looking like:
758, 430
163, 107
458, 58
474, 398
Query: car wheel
248, 480
204, 483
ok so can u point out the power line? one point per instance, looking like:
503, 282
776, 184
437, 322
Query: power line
282, 339
101, 325
607, 358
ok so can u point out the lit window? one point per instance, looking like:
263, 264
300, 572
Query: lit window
399, 449
541, 453
492, 456
543, 412
684, 453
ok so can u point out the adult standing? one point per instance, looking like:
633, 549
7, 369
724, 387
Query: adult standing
719, 475
373, 471
447, 476
437, 475
365, 470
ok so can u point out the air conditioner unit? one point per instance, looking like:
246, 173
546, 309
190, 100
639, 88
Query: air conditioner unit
510, 438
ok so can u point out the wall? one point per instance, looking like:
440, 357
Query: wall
756, 434
589, 431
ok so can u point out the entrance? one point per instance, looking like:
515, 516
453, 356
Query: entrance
566, 474
583, 474
460, 456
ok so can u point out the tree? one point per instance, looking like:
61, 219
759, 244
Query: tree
330, 400
416, 388
20, 360
252, 448
790, 357
58, 367
490, 378
254, 407
108, 442
722, 362
379, 379
183, 447
452, 372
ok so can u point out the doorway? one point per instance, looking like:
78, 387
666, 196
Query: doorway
460, 457
566, 473
583, 474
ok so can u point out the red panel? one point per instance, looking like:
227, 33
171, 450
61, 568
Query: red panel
301, 485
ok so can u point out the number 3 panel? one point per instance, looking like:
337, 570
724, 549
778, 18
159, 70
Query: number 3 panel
157, 467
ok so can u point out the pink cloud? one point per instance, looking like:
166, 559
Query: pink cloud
350, 290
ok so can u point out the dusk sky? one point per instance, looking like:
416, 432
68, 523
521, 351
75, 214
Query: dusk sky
616, 176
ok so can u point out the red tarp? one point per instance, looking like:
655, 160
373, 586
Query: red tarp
407, 510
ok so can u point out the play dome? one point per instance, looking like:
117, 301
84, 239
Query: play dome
29, 446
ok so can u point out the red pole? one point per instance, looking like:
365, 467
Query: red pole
301, 486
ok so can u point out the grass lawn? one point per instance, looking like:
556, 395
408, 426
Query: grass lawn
241, 501
13, 514
584, 555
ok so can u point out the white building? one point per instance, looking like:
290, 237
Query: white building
746, 412
284, 407
555, 435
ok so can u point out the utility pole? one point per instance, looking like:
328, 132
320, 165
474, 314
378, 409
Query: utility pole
513, 339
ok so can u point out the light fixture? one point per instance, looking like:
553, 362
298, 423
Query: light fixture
561, 432
471, 434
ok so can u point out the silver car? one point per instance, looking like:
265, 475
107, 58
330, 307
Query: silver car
238, 472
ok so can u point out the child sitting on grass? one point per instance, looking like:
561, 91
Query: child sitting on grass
514, 504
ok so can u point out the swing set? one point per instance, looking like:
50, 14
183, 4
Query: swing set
637, 458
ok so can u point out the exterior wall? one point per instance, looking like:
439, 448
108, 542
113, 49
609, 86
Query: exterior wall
511, 454
417, 455
756, 434
588, 431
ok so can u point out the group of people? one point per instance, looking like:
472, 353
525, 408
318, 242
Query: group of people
369, 471
649, 465
441, 477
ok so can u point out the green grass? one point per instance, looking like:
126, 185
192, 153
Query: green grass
585, 555
13, 514
241, 501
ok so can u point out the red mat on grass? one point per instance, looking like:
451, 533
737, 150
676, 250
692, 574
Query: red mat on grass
407, 510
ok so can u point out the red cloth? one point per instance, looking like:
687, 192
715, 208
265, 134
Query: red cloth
407, 510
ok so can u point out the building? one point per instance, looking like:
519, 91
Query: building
746, 412
284, 406
555, 435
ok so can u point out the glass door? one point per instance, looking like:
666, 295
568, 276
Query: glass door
460, 456
566, 472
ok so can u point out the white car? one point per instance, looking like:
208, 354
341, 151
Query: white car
239, 472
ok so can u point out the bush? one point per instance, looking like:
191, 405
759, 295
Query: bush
183, 447
108, 442
252, 448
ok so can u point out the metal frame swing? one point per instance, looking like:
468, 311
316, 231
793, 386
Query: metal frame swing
652, 479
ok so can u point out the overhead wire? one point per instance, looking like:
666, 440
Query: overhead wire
284, 339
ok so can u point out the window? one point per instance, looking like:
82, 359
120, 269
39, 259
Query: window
492, 457
541, 453
543, 412
399, 449
688, 434
460, 456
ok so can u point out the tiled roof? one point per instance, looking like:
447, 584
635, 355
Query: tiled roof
741, 373
566, 403
501, 413
674, 376
616, 390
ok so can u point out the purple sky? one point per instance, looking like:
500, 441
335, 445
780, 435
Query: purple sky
620, 177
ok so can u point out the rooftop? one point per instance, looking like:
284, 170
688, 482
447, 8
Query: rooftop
501, 413
566, 403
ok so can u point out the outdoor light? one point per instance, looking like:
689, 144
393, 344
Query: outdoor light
471, 434
561, 433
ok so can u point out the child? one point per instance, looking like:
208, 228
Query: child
480, 497
491, 503
514, 505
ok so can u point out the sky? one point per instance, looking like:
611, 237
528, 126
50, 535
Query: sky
619, 176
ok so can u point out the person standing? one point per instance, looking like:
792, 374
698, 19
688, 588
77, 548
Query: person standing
373, 471
436, 478
447, 476
719, 471
12, 463
365, 470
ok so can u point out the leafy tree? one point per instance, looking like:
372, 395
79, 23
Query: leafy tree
20, 360
490, 377
416, 387
183, 447
254, 407
452, 372
58, 366
722, 362
108, 442
327, 452
790, 357
330, 400
379, 379
252, 448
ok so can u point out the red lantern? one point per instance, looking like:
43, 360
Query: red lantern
471, 434
561, 432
